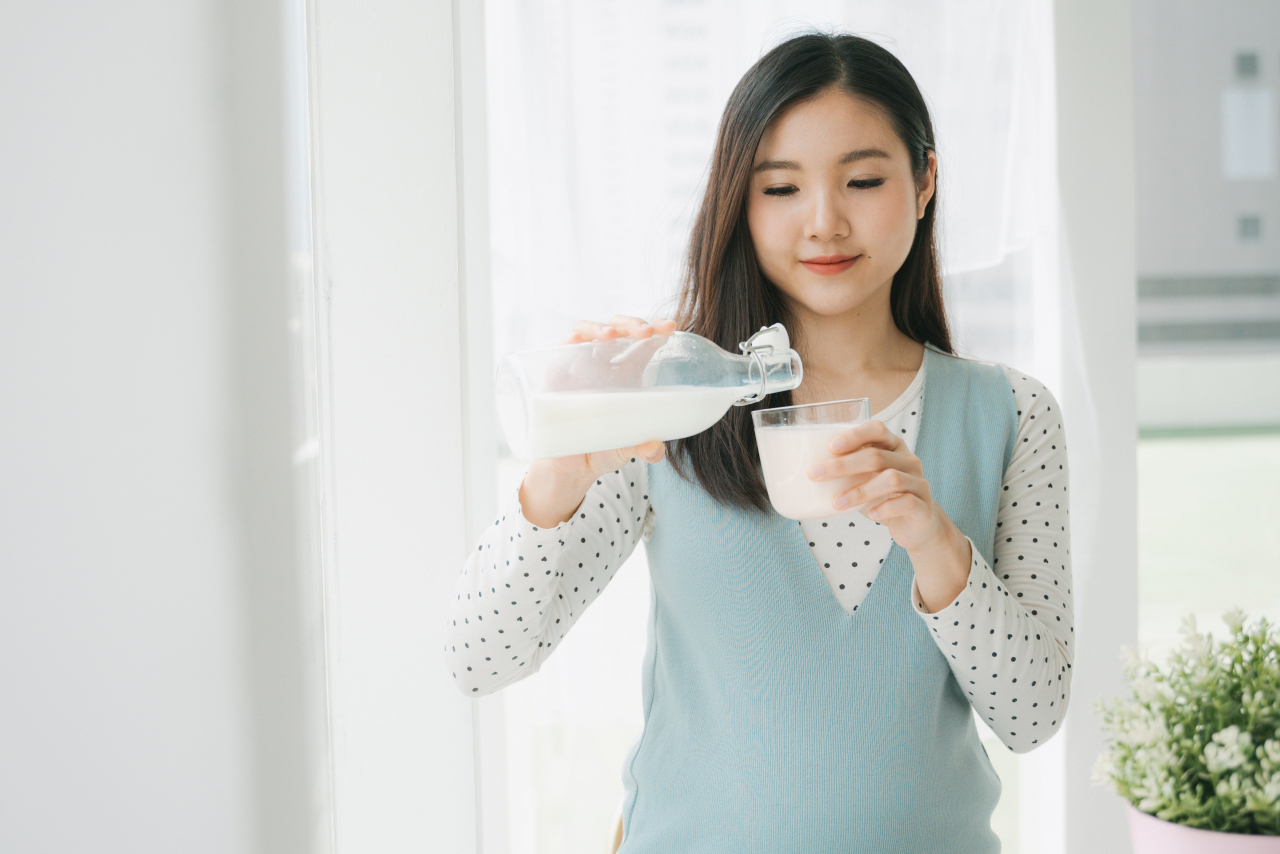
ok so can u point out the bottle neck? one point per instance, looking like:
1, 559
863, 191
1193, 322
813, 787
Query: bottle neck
769, 371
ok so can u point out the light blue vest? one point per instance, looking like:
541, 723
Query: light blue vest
776, 722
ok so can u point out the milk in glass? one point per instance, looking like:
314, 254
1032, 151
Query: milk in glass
793, 439
786, 455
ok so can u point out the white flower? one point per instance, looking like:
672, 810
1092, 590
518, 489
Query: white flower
1229, 787
1161, 754
1156, 734
1256, 801
1147, 731
1129, 657
1229, 749
1146, 689
1200, 652
1271, 750
1234, 620
1196, 648
1104, 770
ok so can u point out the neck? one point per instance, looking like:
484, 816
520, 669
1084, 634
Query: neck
860, 341
860, 353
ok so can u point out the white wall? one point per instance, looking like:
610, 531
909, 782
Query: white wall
1189, 210
1185, 56
397, 117
1096, 180
148, 623
1183, 392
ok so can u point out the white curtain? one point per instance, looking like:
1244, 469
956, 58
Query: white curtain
602, 117
603, 114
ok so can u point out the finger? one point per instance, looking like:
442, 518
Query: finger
867, 460
620, 325
632, 327
884, 484
603, 462
893, 507
590, 330
868, 433
651, 452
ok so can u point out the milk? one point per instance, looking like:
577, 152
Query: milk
578, 422
786, 454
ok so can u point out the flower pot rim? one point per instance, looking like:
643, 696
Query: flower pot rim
1134, 809
1151, 834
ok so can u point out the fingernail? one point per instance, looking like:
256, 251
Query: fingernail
841, 501
838, 445
606, 328
816, 472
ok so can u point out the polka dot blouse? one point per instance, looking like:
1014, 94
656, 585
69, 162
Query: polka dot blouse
1008, 636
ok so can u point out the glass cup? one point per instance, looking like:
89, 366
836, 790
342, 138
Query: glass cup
791, 439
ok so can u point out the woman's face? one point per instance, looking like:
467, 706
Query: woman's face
833, 205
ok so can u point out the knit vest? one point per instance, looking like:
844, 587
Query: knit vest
777, 722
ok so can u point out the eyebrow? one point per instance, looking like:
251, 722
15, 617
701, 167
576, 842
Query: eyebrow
850, 157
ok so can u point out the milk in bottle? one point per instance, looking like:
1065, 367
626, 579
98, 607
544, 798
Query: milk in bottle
599, 395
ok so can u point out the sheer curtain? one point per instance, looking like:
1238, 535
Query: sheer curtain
602, 117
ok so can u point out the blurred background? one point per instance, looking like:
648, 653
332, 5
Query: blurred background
1208, 253
183, 665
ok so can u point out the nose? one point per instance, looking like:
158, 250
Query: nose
827, 218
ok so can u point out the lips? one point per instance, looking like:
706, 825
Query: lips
829, 265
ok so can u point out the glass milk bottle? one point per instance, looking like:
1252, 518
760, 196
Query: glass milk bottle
599, 395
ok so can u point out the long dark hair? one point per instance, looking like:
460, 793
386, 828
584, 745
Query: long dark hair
725, 296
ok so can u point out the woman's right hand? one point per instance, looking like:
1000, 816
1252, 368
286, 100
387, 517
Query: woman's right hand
553, 488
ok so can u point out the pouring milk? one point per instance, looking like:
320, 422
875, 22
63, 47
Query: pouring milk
598, 395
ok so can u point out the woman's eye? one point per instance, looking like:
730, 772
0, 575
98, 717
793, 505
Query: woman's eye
779, 191
866, 184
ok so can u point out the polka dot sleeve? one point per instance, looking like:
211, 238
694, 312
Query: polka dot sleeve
1009, 636
523, 587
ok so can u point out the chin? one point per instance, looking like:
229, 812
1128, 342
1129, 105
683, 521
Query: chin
828, 310
833, 299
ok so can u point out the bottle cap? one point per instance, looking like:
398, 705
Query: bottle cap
779, 366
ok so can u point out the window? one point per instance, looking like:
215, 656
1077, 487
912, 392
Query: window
1208, 320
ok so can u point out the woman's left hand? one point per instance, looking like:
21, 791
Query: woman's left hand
890, 485
890, 488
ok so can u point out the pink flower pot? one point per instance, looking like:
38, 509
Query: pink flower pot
1154, 836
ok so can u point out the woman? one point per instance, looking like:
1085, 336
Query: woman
778, 715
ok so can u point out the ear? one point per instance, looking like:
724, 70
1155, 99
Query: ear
925, 185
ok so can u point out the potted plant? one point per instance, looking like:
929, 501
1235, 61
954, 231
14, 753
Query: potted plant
1196, 748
